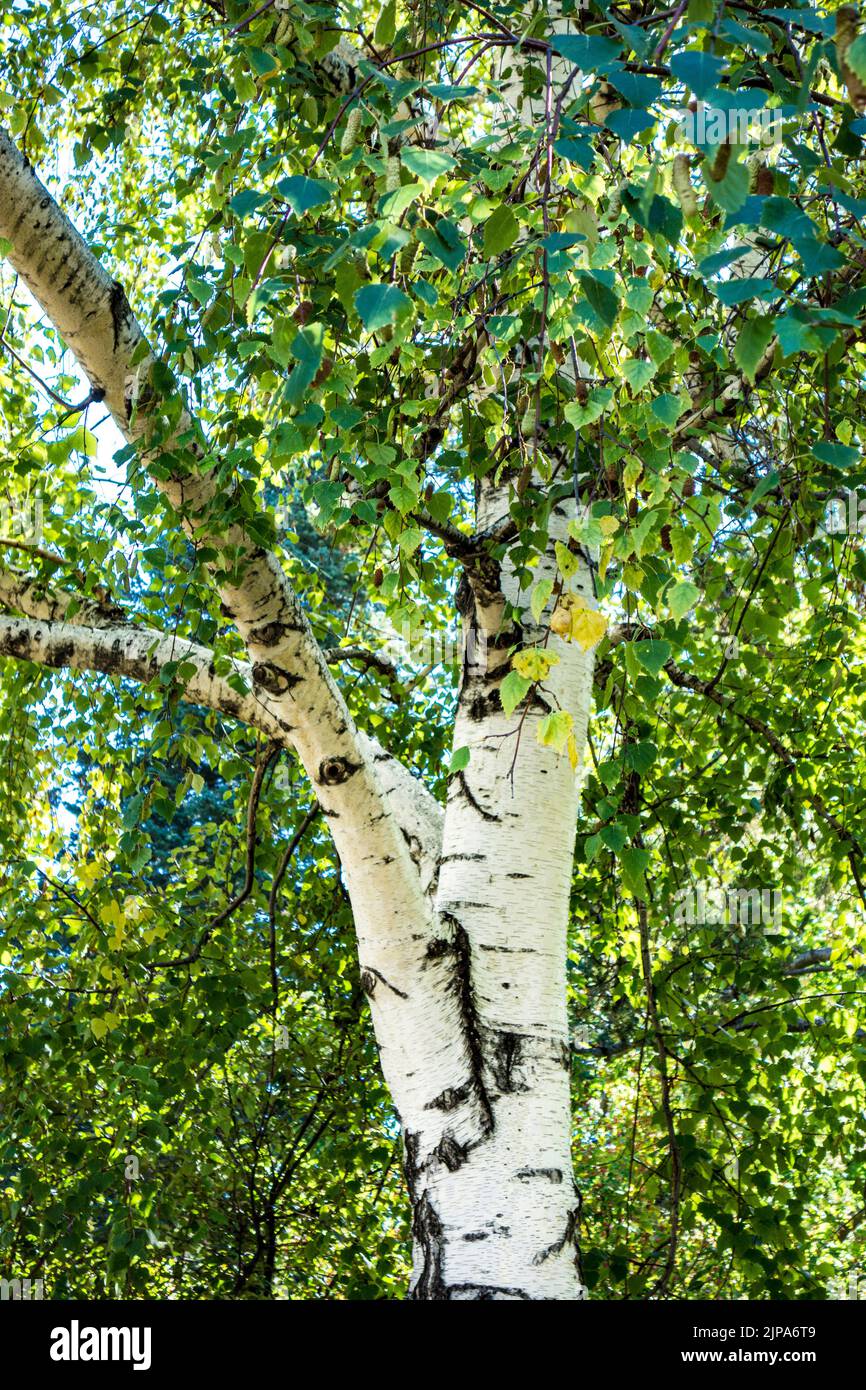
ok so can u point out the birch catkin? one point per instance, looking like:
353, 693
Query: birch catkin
683, 186
352, 131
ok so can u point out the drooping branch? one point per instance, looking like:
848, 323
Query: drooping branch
142, 654
96, 641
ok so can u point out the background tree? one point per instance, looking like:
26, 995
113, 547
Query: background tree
530, 338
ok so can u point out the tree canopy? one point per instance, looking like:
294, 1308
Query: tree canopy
385, 257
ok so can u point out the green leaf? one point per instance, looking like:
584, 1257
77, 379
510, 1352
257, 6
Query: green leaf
303, 193
500, 231
634, 863
427, 165
587, 51
638, 372
711, 265
459, 759
540, 595
627, 124
652, 655
855, 57
445, 242
512, 691
682, 597
386, 25
731, 191
307, 352
738, 291
753, 341
248, 201
667, 408
700, 71
641, 756
598, 401
841, 456
601, 298
379, 305
614, 836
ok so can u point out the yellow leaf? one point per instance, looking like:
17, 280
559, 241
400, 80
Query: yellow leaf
607, 525
631, 473
587, 627
555, 729
573, 753
98, 1027
534, 664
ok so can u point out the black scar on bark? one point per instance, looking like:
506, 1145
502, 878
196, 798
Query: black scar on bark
487, 1293
451, 1152
483, 706
438, 948
553, 1174
462, 985
463, 600
450, 1098
369, 979
463, 789
569, 1238
427, 1232
63, 652
334, 771
273, 679
505, 1056
268, 635
120, 310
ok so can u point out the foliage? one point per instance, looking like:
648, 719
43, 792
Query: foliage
368, 321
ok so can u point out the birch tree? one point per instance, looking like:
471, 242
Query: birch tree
551, 319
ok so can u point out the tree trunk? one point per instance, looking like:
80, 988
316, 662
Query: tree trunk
497, 1218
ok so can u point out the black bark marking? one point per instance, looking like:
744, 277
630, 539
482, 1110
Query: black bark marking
450, 1098
334, 771
569, 1238
469, 1016
505, 1056
462, 858
553, 1174
486, 1293
482, 706
463, 599
120, 311
369, 978
463, 789
438, 948
274, 680
451, 1152
476, 1235
268, 635
414, 845
427, 1232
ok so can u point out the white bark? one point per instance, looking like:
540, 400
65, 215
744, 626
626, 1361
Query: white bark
499, 1220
